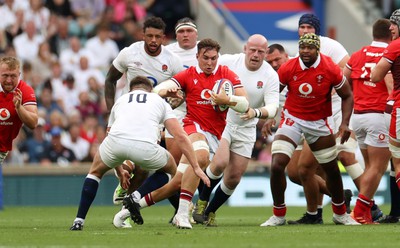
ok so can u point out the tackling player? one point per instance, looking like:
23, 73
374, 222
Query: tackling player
135, 139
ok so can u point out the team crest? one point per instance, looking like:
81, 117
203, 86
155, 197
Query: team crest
289, 122
294, 78
164, 68
319, 78
260, 84
195, 81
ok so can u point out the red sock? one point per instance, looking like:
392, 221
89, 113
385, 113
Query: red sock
339, 208
186, 195
280, 210
362, 210
149, 199
398, 180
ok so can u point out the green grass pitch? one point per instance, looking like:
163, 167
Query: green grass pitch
238, 227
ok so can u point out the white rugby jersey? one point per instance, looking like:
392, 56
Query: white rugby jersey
262, 86
136, 62
187, 56
136, 116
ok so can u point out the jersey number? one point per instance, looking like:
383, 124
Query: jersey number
140, 98
367, 68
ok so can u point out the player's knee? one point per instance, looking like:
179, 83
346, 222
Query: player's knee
325, 155
233, 180
395, 151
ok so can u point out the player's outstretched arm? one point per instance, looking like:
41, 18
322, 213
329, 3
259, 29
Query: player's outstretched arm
186, 147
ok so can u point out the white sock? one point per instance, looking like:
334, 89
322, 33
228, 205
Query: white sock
183, 207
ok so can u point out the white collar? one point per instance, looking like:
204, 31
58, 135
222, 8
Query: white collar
316, 63
201, 71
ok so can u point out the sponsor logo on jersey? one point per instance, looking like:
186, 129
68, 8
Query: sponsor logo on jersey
206, 95
4, 114
305, 89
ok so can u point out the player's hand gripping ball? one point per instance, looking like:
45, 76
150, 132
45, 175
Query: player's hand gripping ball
226, 86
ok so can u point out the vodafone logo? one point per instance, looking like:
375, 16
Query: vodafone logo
305, 88
206, 94
4, 114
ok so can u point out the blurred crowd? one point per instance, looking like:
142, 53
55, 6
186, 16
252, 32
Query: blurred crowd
66, 48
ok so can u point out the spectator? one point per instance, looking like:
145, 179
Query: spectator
59, 36
47, 103
27, 44
87, 15
74, 142
89, 128
36, 145
129, 10
57, 153
69, 58
69, 94
84, 72
87, 107
39, 14
105, 48
60, 8
170, 11
11, 19
41, 64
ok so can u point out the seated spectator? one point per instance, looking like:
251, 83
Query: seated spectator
96, 90
60, 8
129, 10
39, 14
77, 144
59, 35
42, 63
84, 72
103, 46
87, 107
89, 128
36, 145
12, 19
57, 153
27, 43
46, 102
69, 94
87, 15
70, 57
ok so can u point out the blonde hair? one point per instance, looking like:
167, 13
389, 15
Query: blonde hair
12, 62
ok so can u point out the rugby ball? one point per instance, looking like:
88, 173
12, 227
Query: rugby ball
226, 86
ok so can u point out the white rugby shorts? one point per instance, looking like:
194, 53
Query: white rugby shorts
114, 151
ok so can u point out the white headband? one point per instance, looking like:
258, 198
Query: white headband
185, 25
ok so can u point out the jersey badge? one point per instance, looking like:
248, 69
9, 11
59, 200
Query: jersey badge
319, 78
260, 84
164, 68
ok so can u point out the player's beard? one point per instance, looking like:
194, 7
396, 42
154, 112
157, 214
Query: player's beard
153, 51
